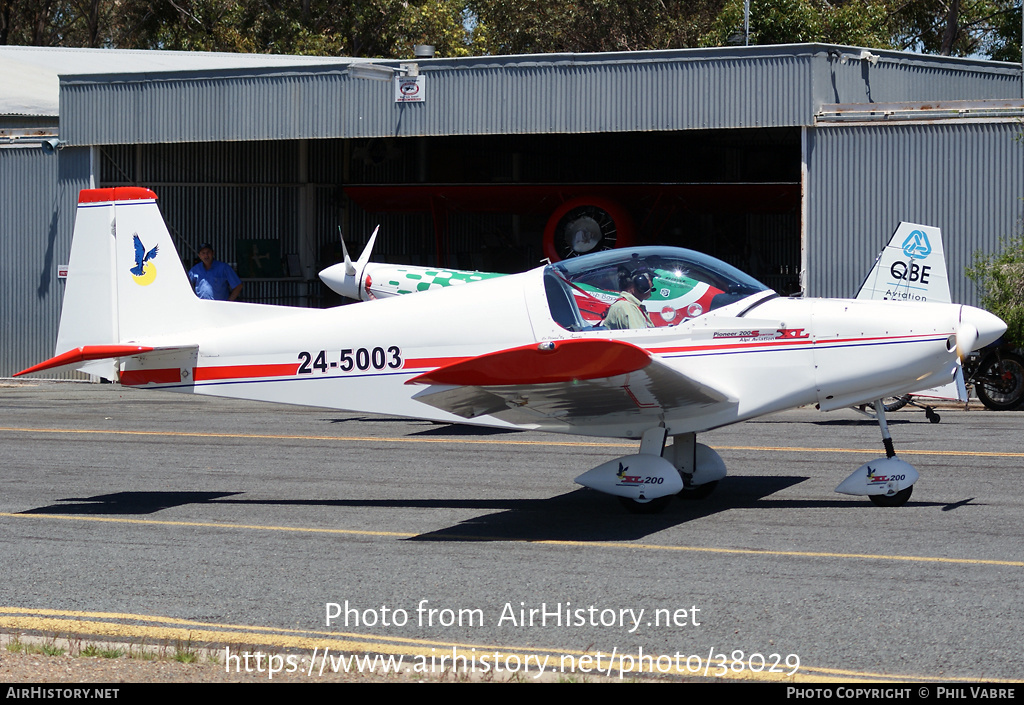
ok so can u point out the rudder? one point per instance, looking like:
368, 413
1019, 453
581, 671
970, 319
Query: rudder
125, 281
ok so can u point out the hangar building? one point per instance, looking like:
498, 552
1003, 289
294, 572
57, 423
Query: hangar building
794, 163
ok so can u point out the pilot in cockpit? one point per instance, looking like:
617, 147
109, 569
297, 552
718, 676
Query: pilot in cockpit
628, 311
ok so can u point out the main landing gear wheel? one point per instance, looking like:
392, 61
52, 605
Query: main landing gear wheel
1007, 391
895, 500
894, 403
698, 492
652, 506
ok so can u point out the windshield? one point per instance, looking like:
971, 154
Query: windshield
673, 285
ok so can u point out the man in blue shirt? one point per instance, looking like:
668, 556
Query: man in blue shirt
213, 279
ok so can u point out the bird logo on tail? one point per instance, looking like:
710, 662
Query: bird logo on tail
144, 271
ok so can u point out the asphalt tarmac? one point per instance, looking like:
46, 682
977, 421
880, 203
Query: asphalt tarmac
143, 516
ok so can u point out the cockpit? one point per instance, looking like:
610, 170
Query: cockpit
683, 284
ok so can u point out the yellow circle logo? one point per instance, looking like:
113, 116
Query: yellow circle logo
148, 275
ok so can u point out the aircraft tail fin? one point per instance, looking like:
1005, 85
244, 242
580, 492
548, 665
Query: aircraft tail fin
125, 282
912, 267
127, 293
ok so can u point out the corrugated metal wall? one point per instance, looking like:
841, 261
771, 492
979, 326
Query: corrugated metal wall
39, 194
966, 178
220, 193
567, 93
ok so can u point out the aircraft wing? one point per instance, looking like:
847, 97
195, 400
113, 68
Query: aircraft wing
570, 382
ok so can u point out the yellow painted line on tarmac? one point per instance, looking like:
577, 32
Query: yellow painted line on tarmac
495, 441
359, 439
876, 451
213, 525
543, 542
425, 653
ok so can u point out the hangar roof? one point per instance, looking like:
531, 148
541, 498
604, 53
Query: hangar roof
195, 97
29, 83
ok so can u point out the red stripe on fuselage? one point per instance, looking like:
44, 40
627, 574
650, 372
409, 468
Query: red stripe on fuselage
239, 372
780, 342
424, 362
136, 378
203, 374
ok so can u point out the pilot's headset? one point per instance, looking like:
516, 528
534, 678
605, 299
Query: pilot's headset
640, 278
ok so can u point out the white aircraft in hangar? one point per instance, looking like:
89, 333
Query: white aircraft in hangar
518, 351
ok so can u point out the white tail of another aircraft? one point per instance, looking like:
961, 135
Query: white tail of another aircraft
912, 267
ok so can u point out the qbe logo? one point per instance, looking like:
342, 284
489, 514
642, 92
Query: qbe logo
916, 245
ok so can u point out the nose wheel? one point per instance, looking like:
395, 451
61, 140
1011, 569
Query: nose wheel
888, 481
896, 500
651, 506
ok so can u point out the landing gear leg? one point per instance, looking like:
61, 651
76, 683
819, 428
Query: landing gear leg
890, 451
700, 467
898, 498
888, 481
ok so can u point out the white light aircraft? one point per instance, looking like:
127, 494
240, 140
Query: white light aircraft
516, 351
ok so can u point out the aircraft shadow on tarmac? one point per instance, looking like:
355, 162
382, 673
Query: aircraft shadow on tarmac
128, 502
586, 515
465, 430
435, 428
581, 515
862, 422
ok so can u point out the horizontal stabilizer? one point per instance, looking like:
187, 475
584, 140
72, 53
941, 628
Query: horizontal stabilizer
74, 358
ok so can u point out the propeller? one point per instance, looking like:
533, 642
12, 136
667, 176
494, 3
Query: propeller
978, 328
365, 256
966, 339
346, 278
350, 269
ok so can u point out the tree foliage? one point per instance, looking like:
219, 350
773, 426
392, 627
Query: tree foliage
950, 27
365, 28
543, 26
83, 23
999, 277
389, 28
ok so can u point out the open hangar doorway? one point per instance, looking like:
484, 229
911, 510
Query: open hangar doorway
499, 203
507, 202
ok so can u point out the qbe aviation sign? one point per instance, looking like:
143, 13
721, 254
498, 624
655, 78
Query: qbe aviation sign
410, 89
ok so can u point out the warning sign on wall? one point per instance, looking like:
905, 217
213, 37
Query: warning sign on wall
409, 89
